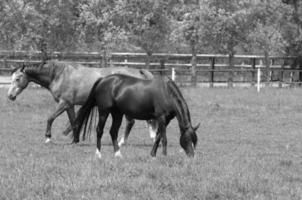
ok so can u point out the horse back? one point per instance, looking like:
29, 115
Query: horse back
75, 82
141, 99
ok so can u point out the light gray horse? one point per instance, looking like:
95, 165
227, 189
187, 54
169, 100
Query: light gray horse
70, 85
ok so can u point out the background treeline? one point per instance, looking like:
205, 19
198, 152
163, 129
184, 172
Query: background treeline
231, 27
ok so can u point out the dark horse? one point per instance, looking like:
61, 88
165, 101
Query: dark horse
69, 84
141, 99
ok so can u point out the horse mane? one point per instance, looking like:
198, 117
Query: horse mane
179, 100
51, 68
21, 67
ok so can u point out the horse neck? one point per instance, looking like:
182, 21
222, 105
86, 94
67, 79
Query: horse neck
180, 107
44, 81
42, 78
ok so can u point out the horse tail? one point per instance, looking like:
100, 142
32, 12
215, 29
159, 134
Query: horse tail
148, 75
84, 113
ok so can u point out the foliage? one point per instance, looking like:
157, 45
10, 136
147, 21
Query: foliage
145, 22
199, 26
226, 24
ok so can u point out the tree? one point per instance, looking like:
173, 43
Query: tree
226, 25
145, 22
12, 24
188, 29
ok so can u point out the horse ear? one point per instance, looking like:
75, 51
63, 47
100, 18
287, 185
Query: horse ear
196, 127
22, 67
14, 69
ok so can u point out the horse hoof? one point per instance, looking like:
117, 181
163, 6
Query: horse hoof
72, 143
153, 154
98, 154
47, 141
75, 141
118, 154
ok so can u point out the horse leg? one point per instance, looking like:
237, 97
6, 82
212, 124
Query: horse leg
164, 138
99, 131
129, 124
68, 129
71, 116
161, 131
155, 145
62, 106
164, 133
117, 118
152, 126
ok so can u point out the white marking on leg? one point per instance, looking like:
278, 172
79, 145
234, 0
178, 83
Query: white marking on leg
48, 140
98, 154
121, 142
118, 154
152, 131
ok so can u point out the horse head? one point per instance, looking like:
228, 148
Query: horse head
18, 84
188, 140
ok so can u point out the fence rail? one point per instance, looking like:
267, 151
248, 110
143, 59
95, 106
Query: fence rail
206, 68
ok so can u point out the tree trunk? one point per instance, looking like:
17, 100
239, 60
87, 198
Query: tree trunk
148, 60
193, 63
162, 71
103, 62
43, 49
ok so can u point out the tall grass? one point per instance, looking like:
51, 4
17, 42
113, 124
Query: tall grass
249, 148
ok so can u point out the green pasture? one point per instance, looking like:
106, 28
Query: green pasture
249, 147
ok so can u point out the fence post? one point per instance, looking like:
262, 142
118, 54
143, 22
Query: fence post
281, 75
254, 80
173, 74
5, 63
126, 61
148, 60
267, 67
103, 62
231, 66
162, 67
110, 60
258, 79
292, 73
212, 71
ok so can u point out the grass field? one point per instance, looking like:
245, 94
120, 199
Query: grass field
249, 148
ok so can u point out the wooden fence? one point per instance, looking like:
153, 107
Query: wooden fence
210, 69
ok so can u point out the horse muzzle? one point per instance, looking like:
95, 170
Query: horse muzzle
13, 93
11, 97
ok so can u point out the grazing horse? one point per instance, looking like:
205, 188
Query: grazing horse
69, 84
154, 99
